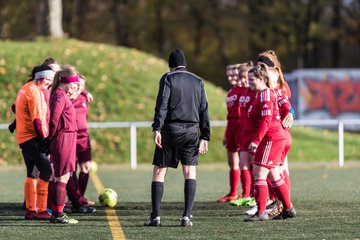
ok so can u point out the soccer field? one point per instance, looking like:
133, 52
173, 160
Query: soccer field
327, 201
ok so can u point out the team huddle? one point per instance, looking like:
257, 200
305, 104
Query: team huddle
52, 131
257, 138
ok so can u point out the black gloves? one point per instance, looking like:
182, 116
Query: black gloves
45, 146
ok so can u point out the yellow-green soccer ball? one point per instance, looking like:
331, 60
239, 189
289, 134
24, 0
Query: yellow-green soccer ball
108, 197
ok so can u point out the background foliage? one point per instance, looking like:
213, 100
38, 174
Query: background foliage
124, 82
213, 33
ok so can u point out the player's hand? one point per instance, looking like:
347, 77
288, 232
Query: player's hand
252, 147
288, 121
203, 146
157, 139
89, 97
224, 142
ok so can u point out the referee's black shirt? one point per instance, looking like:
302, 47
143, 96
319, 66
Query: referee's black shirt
182, 98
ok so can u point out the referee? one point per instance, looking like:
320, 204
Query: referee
181, 131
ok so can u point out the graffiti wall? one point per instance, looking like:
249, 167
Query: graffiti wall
325, 93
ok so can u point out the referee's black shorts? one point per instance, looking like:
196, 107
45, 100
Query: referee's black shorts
180, 142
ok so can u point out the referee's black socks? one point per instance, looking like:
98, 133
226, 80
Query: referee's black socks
157, 191
189, 192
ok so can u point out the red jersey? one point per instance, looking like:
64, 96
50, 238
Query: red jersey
81, 108
265, 119
287, 90
246, 99
232, 103
283, 103
62, 113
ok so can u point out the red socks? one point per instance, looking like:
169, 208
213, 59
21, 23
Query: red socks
246, 182
59, 197
234, 176
272, 194
287, 180
282, 192
261, 194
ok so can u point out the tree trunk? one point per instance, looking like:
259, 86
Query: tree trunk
199, 25
78, 13
119, 11
41, 18
159, 29
55, 19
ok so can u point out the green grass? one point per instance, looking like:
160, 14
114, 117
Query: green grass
124, 83
326, 200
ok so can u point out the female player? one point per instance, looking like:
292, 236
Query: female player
246, 98
32, 130
233, 126
62, 137
283, 94
76, 187
267, 144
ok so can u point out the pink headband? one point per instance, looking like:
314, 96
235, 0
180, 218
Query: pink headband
71, 79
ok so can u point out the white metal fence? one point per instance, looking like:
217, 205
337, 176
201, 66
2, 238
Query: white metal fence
134, 125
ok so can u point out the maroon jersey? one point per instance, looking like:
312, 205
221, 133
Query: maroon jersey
62, 113
232, 103
265, 119
81, 108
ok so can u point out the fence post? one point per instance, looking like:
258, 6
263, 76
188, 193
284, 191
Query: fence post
341, 143
133, 151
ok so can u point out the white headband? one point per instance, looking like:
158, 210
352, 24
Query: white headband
44, 74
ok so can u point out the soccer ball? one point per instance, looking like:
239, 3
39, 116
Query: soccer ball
108, 197
93, 167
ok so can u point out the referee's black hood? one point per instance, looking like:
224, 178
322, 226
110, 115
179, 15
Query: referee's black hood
177, 58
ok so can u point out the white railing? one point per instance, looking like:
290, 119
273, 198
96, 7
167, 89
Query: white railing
134, 125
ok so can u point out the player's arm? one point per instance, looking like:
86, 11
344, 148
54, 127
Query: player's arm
161, 107
35, 103
57, 108
204, 116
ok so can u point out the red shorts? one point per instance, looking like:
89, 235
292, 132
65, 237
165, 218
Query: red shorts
268, 153
63, 153
83, 148
287, 145
233, 128
245, 140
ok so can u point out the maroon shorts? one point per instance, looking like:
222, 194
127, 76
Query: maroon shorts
63, 153
233, 128
83, 148
245, 140
268, 154
287, 145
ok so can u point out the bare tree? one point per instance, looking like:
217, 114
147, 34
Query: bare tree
55, 18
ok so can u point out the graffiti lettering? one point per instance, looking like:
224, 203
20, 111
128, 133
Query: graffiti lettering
334, 96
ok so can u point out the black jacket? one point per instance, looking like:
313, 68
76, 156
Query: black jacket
182, 98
